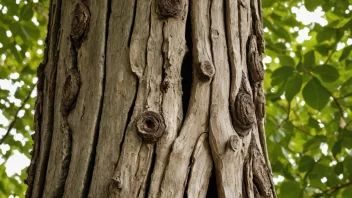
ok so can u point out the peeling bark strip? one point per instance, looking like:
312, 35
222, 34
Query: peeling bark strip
109, 120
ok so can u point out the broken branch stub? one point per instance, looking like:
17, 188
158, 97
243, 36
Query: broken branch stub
70, 91
170, 8
150, 126
243, 113
80, 22
205, 70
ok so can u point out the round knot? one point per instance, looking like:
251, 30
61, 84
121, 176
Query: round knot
233, 142
150, 126
205, 70
80, 22
170, 8
243, 114
70, 91
116, 182
255, 64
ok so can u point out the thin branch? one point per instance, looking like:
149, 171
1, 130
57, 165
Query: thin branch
302, 130
345, 96
333, 189
16, 114
329, 57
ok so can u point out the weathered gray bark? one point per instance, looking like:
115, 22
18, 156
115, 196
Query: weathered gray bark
116, 118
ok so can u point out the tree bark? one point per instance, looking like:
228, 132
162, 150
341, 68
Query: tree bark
151, 98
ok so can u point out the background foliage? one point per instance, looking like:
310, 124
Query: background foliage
308, 89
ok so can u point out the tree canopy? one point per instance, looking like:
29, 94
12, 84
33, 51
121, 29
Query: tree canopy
308, 87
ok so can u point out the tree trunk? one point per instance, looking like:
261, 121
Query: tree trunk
151, 98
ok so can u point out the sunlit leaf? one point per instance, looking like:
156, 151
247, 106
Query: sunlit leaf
315, 95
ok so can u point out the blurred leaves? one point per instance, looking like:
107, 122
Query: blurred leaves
22, 34
309, 96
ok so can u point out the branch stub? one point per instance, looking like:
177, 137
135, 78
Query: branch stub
243, 114
80, 22
169, 8
205, 70
70, 91
150, 126
232, 142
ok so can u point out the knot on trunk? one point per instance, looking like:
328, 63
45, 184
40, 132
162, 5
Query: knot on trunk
150, 126
243, 114
169, 8
80, 22
70, 91
233, 142
255, 64
205, 70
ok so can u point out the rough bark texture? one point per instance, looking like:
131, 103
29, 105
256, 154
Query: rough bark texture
151, 98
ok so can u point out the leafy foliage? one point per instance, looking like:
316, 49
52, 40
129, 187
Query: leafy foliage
22, 33
308, 89
309, 96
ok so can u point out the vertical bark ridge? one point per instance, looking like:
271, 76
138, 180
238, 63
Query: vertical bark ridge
227, 147
134, 165
196, 121
119, 95
93, 155
174, 50
60, 151
83, 119
48, 100
201, 168
38, 110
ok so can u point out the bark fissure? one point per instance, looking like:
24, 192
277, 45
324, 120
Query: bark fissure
47, 99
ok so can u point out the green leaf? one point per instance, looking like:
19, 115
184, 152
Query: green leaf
315, 95
267, 3
311, 5
290, 189
31, 30
314, 143
347, 191
346, 51
306, 163
327, 73
293, 87
323, 49
313, 123
309, 59
280, 75
346, 87
338, 169
325, 34
26, 13
348, 64
336, 149
287, 61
